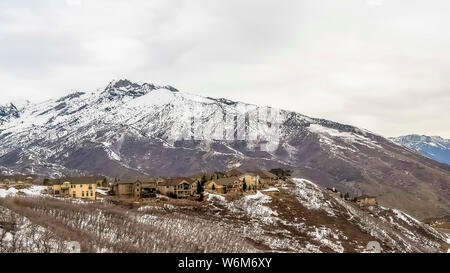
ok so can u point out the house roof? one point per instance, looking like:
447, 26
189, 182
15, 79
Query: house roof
77, 180
248, 173
173, 181
265, 174
132, 181
233, 172
197, 175
365, 196
125, 182
226, 181
148, 180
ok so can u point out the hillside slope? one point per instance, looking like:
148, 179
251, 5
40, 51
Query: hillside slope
297, 216
127, 129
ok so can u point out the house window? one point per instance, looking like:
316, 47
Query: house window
81, 185
82, 193
92, 193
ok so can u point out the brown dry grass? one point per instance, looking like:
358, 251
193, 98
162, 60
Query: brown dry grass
115, 228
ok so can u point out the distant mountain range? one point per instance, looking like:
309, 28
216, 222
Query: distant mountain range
434, 147
129, 129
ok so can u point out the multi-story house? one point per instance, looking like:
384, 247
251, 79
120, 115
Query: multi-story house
265, 178
139, 188
224, 185
251, 180
178, 187
80, 187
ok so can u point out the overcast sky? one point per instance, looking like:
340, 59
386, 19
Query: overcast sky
380, 65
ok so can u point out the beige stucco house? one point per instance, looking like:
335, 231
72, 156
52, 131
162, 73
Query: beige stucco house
79, 187
251, 180
365, 200
265, 178
139, 188
224, 185
233, 172
178, 187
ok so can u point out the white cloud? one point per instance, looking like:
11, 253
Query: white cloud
73, 2
374, 2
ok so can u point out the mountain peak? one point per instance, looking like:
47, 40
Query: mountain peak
434, 147
122, 84
171, 88
126, 88
420, 138
8, 111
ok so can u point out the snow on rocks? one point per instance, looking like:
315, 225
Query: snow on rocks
215, 197
30, 191
272, 189
394, 228
310, 195
254, 206
327, 134
24, 236
327, 237
34, 190
101, 191
9, 191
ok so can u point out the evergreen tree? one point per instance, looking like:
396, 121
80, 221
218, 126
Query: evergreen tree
346, 196
199, 188
46, 182
203, 181
282, 174
105, 182
244, 185
213, 188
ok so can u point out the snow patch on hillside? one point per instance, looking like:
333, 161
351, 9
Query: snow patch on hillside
31, 191
310, 195
325, 236
328, 134
29, 237
255, 207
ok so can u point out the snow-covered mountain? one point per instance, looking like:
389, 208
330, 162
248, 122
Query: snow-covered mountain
128, 128
7, 112
434, 147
